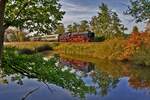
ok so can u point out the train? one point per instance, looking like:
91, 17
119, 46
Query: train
67, 37
77, 37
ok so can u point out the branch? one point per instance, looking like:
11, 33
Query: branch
29, 93
50, 90
24, 6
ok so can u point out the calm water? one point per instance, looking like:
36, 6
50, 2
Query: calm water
103, 80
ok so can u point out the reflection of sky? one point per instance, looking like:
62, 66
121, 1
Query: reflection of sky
122, 92
13, 91
77, 10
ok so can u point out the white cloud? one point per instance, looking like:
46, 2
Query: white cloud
69, 7
75, 12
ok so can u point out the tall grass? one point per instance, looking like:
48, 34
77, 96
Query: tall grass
109, 49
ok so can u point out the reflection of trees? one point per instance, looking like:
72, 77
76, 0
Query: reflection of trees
103, 79
77, 64
2, 80
139, 77
105, 82
29, 93
33, 66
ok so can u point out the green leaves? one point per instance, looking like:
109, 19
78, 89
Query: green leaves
34, 15
33, 66
60, 29
107, 23
140, 10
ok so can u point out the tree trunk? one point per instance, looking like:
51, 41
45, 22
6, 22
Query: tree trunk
2, 29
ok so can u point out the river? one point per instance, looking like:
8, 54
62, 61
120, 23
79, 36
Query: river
105, 80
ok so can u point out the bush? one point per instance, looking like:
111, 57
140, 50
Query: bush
142, 56
25, 51
99, 38
43, 48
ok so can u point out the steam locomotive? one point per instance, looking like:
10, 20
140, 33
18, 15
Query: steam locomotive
77, 37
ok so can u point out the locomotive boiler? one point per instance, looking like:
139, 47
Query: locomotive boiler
77, 37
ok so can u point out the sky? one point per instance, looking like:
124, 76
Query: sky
77, 10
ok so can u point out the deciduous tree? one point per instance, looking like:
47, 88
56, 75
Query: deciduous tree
107, 23
140, 10
34, 15
60, 29
84, 26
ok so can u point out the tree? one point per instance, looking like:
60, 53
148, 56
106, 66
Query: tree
94, 25
2, 27
102, 21
140, 10
34, 15
69, 28
60, 29
75, 27
135, 29
107, 23
117, 27
84, 26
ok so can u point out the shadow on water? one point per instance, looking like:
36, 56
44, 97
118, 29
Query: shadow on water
73, 78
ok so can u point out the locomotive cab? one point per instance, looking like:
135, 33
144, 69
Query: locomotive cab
91, 35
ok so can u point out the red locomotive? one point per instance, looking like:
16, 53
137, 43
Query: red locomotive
77, 37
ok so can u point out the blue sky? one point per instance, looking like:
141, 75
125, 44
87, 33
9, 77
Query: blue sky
77, 10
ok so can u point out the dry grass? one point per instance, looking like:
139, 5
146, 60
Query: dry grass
110, 49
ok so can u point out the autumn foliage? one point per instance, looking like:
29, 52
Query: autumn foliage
135, 41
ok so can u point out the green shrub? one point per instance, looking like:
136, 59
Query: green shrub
43, 48
25, 51
99, 38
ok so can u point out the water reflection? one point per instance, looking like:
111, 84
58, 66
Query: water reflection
110, 76
101, 81
76, 78
77, 65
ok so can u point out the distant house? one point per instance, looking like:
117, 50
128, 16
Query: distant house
13, 34
9, 34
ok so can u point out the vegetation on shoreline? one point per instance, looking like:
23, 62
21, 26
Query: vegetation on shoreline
135, 49
28, 45
32, 47
109, 49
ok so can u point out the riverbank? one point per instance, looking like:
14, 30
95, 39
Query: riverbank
134, 49
28, 45
31, 47
109, 49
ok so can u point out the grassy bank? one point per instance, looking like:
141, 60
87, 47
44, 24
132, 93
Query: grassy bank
28, 45
134, 49
109, 49
31, 47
